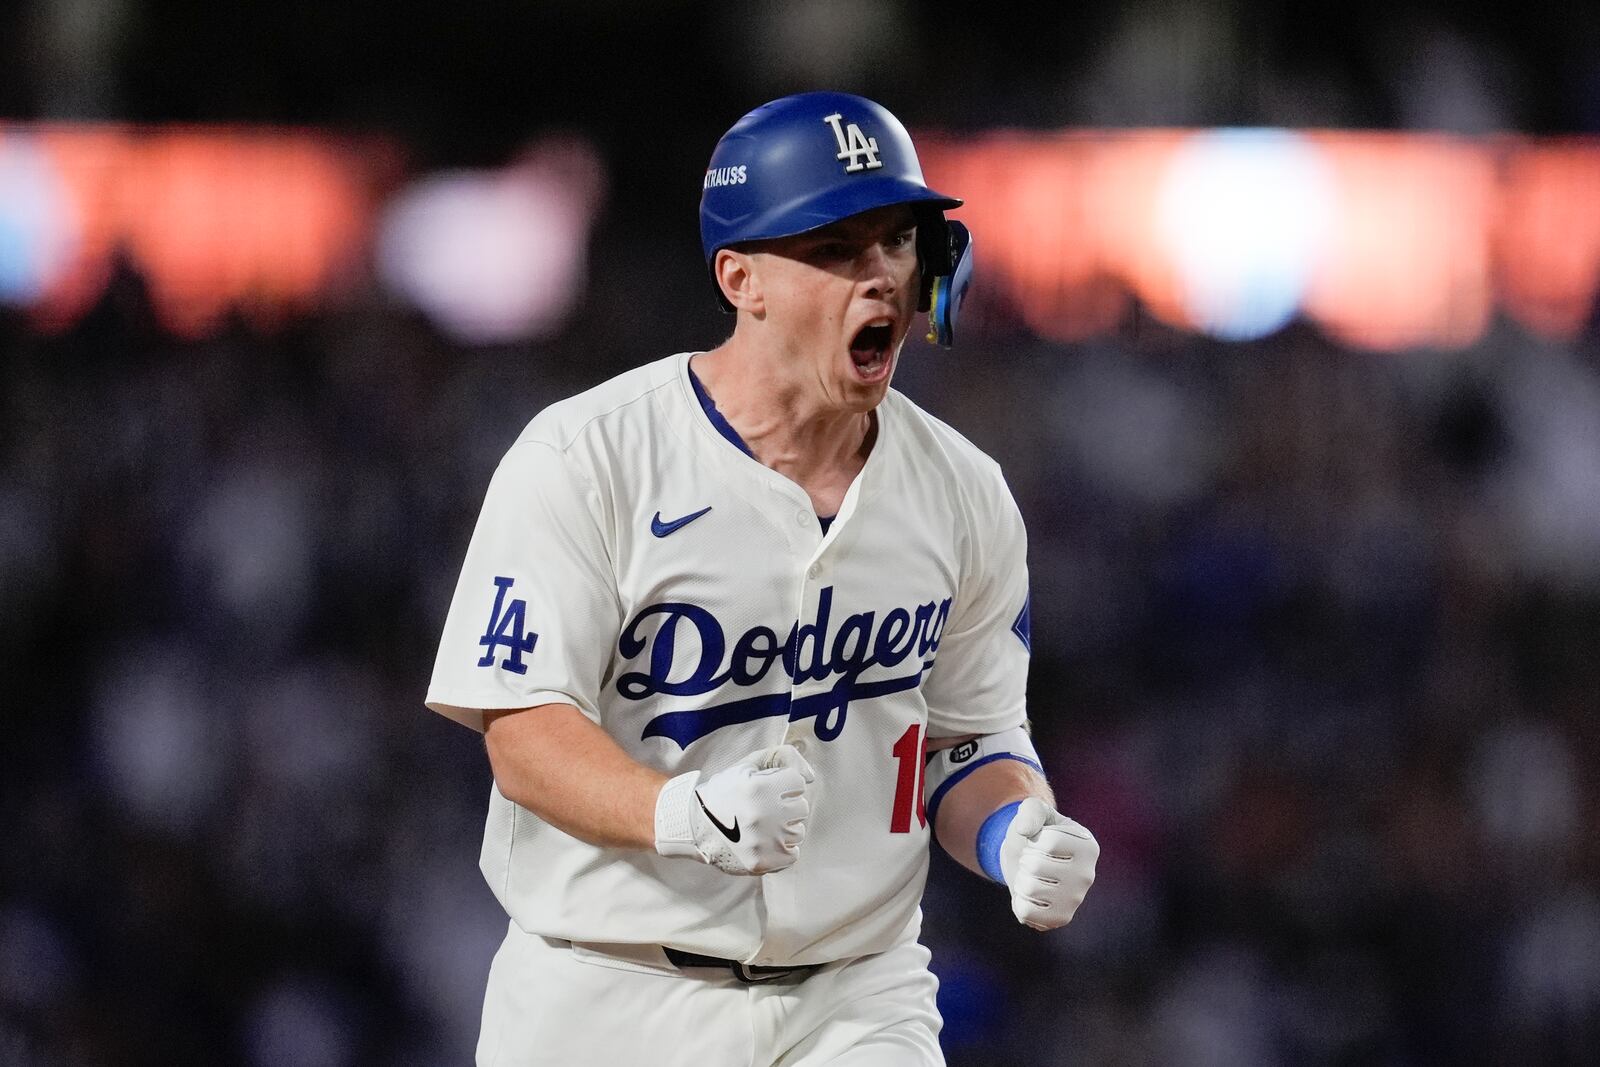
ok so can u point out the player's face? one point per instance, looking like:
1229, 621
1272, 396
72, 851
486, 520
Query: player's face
841, 300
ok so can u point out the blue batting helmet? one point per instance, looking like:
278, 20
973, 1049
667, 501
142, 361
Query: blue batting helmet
805, 161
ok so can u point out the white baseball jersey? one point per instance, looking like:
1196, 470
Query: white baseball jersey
636, 564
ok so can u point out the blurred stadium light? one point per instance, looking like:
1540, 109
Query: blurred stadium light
1386, 241
268, 222
37, 234
500, 255
1409, 264
261, 221
1549, 236
1244, 216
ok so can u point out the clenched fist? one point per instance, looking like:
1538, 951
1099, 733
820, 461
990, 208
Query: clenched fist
747, 819
1048, 862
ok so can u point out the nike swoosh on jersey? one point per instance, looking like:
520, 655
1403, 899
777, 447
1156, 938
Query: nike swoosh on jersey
662, 529
731, 835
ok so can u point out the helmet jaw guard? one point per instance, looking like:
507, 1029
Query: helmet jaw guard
947, 291
803, 162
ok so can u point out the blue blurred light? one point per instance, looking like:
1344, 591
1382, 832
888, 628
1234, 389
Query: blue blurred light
1244, 214
35, 225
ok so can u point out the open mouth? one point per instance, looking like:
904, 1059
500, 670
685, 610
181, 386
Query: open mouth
869, 349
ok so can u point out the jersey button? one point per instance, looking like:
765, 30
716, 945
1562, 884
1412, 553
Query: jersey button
801, 518
814, 570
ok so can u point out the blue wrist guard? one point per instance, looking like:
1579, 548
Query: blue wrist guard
991, 835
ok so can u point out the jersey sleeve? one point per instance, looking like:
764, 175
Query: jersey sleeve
979, 682
535, 610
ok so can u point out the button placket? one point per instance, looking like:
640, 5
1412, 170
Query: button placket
797, 731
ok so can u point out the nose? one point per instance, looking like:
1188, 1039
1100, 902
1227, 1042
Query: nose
877, 271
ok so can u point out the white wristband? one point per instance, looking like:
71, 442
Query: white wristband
675, 806
949, 766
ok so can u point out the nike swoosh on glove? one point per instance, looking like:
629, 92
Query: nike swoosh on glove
1048, 861
749, 818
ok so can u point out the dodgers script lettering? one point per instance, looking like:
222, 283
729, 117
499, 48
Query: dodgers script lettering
811, 652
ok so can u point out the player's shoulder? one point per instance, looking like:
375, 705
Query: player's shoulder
626, 398
938, 463
930, 440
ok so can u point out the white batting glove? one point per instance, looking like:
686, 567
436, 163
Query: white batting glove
747, 819
1048, 862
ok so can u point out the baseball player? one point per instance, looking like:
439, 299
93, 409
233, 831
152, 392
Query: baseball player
741, 628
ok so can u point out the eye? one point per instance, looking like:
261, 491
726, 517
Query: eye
902, 239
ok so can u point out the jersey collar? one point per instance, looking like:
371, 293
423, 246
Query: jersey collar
729, 452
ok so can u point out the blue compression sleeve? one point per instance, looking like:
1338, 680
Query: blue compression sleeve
991, 835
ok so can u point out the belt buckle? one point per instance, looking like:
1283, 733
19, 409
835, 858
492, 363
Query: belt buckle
749, 977
761, 975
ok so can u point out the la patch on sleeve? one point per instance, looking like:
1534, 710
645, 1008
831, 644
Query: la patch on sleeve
508, 629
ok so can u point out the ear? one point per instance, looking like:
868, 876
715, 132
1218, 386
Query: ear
736, 275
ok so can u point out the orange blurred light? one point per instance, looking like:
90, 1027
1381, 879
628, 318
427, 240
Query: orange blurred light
1061, 222
1548, 241
90, 160
1407, 262
253, 220
262, 221
1124, 187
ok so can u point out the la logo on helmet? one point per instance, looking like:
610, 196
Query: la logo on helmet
854, 145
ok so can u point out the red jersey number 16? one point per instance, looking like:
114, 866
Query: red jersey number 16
909, 753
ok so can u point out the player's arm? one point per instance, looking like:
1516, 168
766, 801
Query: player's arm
962, 809
556, 762
984, 789
993, 811
540, 542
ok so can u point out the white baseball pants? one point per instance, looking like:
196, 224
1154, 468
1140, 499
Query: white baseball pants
553, 1003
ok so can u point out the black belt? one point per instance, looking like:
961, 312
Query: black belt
746, 973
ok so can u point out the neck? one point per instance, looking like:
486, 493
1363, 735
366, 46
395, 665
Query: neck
787, 420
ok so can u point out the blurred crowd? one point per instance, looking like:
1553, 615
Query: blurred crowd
1314, 641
